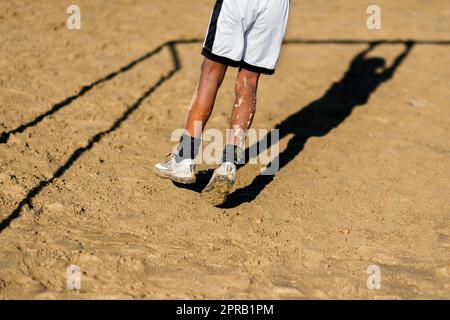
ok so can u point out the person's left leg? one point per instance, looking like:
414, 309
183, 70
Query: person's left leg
242, 116
211, 78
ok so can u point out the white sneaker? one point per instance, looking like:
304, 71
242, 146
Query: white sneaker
181, 172
220, 185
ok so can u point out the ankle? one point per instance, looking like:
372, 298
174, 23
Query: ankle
233, 154
188, 148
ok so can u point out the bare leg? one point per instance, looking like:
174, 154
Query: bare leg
212, 74
244, 106
224, 176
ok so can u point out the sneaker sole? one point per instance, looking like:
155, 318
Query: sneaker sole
217, 190
190, 180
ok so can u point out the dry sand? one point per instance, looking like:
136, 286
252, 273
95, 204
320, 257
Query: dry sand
365, 156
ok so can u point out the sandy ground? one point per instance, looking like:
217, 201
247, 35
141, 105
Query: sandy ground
365, 156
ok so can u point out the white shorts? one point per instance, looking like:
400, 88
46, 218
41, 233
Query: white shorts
247, 33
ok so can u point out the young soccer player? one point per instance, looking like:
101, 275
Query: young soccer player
246, 34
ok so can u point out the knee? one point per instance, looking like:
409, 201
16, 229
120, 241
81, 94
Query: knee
212, 71
246, 84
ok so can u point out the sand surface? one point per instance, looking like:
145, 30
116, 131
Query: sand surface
365, 156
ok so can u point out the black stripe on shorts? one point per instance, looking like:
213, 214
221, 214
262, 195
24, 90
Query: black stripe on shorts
213, 25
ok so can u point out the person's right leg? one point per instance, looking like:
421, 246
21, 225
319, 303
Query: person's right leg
243, 112
246, 87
